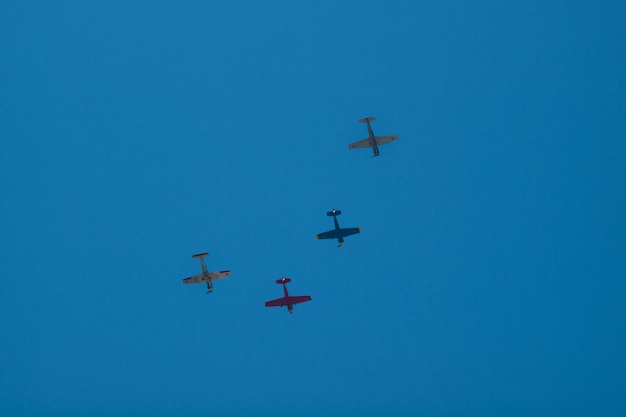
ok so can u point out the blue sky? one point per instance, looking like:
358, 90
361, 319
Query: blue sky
489, 277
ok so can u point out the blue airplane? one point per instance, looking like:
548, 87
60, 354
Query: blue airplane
338, 233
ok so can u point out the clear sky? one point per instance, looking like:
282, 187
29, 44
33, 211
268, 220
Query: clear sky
489, 278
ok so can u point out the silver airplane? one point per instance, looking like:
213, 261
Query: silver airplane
205, 276
372, 141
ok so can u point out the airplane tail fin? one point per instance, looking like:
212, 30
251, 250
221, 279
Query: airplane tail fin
200, 255
283, 280
333, 213
367, 119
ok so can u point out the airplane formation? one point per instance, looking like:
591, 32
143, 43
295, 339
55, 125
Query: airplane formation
338, 233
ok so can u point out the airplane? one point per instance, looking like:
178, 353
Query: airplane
287, 300
205, 276
372, 141
338, 233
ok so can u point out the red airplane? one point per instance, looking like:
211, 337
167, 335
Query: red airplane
287, 300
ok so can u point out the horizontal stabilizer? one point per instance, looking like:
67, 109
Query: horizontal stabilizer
200, 255
367, 119
333, 212
283, 280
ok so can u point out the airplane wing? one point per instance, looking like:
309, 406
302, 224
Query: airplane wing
285, 301
196, 279
381, 140
364, 143
213, 276
336, 234
331, 234
279, 302
297, 299
350, 231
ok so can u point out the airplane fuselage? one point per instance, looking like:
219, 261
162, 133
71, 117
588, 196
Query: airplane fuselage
209, 286
207, 278
373, 139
